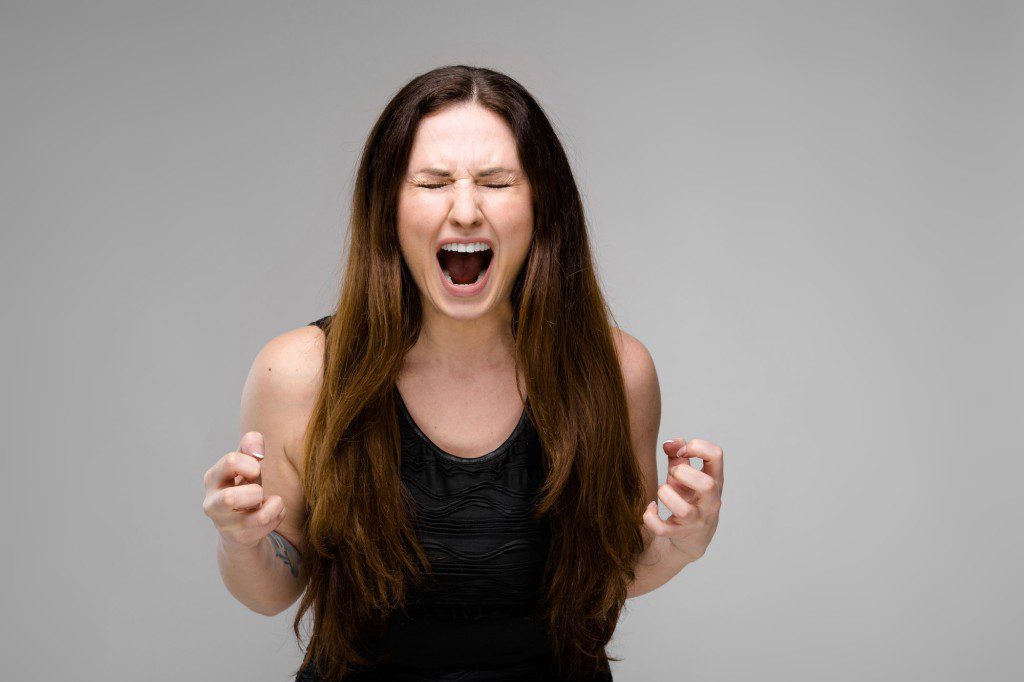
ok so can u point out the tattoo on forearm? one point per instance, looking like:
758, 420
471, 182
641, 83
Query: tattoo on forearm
285, 551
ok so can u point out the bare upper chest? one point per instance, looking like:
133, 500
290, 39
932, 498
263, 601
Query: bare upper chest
464, 416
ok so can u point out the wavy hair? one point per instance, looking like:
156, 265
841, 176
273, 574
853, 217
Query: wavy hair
363, 549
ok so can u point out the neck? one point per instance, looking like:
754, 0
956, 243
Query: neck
460, 344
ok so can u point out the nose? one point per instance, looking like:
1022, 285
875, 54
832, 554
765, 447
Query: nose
465, 209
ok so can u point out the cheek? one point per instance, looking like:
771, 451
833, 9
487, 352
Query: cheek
512, 216
517, 246
518, 234
413, 249
415, 232
511, 208
414, 210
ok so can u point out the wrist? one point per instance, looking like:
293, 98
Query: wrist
235, 551
680, 554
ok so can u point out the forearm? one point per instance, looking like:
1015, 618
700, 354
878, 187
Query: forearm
658, 564
267, 578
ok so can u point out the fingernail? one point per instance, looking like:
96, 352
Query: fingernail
257, 455
670, 440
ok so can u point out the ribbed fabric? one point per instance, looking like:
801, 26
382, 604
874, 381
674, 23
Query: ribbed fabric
479, 618
473, 519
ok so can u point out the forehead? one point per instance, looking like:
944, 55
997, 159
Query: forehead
463, 137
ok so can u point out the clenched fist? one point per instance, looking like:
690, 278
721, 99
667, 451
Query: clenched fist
234, 496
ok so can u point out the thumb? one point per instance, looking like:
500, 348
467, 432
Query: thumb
252, 444
673, 446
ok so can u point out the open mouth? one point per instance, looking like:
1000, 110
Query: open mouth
464, 264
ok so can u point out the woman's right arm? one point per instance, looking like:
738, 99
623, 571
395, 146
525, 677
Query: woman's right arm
258, 505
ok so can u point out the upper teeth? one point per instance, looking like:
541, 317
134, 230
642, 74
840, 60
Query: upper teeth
466, 248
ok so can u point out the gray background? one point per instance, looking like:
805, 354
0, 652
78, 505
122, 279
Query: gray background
809, 212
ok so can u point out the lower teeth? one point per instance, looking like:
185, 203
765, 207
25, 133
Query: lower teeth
449, 278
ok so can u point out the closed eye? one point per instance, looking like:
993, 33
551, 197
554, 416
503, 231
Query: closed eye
445, 183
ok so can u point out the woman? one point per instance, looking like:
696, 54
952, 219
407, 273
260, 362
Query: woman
465, 446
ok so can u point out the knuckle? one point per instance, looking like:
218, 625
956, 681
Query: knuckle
231, 459
228, 498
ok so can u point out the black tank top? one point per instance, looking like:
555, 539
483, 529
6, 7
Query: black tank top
481, 612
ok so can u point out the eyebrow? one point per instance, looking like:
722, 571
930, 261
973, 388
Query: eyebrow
487, 172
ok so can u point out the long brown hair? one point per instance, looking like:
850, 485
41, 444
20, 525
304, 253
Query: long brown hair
362, 546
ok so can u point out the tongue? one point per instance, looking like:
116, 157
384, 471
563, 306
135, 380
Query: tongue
463, 267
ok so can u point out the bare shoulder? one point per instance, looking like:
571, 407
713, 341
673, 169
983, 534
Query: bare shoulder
277, 400
291, 363
284, 382
636, 362
643, 394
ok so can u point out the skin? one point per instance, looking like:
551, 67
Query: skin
465, 346
465, 140
464, 351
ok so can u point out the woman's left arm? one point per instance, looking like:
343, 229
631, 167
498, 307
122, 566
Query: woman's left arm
694, 496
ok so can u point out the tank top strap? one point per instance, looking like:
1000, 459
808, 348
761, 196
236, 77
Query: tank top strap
322, 322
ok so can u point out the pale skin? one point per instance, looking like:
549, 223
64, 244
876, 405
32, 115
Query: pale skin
465, 351
465, 346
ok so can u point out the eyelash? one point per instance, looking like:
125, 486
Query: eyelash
443, 184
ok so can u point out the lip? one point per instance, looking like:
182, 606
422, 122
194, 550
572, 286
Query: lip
460, 290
